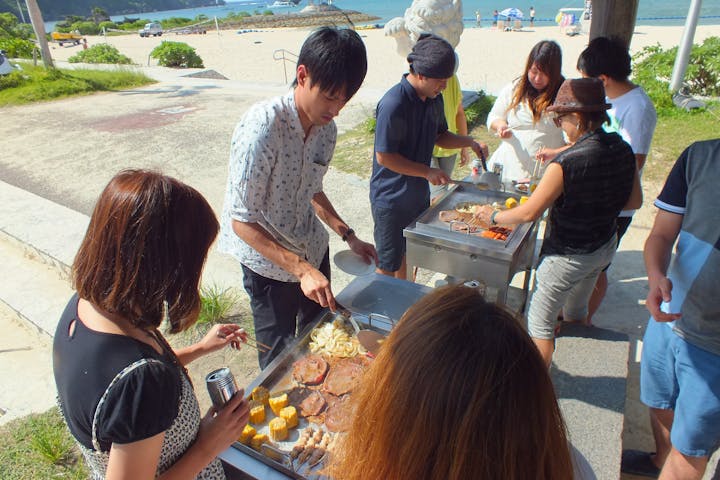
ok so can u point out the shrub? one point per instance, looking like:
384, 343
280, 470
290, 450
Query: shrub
86, 28
477, 112
176, 54
174, 22
107, 25
237, 15
12, 80
653, 70
102, 53
132, 24
17, 48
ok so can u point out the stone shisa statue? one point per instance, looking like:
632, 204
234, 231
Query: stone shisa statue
441, 17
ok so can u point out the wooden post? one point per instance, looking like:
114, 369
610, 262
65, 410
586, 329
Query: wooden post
614, 18
39, 27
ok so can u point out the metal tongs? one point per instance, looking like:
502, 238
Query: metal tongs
346, 315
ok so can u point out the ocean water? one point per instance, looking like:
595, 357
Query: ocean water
650, 12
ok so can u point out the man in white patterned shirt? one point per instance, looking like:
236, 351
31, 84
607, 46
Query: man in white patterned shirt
274, 199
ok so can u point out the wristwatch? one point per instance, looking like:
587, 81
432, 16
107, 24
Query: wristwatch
347, 234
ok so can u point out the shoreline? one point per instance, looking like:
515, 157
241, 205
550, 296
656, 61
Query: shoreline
301, 19
489, 59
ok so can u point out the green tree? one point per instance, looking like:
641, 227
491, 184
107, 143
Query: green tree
8, 23
99, 15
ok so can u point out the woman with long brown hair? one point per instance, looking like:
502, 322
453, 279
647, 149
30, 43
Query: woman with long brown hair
457, 392
123, 391
519, 116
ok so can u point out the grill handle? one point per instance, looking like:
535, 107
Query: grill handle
379, 316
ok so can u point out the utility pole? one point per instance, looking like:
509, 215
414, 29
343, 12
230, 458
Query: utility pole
39, 27
22, 15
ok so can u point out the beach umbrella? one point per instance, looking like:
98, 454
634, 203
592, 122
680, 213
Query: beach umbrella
512, 13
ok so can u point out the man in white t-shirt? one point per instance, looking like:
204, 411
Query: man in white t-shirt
632, 115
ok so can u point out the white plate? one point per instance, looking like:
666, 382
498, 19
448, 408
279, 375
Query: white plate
352, 263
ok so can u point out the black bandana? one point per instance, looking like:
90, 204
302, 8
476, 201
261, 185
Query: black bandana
432, 57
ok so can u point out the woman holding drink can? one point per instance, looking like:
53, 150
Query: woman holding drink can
123, 391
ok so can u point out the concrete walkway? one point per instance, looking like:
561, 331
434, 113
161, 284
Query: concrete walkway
59, 155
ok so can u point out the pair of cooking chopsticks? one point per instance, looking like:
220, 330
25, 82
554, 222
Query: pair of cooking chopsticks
536, 167
259, 346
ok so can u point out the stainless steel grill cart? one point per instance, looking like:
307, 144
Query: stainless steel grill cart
431, 244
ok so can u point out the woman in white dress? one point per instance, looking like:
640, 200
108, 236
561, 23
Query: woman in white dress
519, 116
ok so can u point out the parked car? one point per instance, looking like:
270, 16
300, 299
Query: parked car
152, 29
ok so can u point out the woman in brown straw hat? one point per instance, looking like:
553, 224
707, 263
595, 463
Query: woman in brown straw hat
585, 187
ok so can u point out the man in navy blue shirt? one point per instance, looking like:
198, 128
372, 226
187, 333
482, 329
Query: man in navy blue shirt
410, 121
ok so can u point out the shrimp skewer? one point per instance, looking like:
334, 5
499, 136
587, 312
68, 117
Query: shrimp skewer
311, 445
319, 452
300, 445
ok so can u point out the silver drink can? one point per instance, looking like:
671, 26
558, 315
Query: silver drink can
221, 386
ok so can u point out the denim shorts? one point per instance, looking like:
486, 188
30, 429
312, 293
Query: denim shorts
676, 375
565, 283
388, 234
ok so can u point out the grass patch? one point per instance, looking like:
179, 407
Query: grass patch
36, 84
39, 446
216, 305
675, 133
354, 149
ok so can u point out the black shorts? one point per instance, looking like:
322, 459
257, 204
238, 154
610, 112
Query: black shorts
388, 234
622, 227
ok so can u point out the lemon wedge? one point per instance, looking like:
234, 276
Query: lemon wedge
524, 199
511, 203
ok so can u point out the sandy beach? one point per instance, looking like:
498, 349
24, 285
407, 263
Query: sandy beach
488, 58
